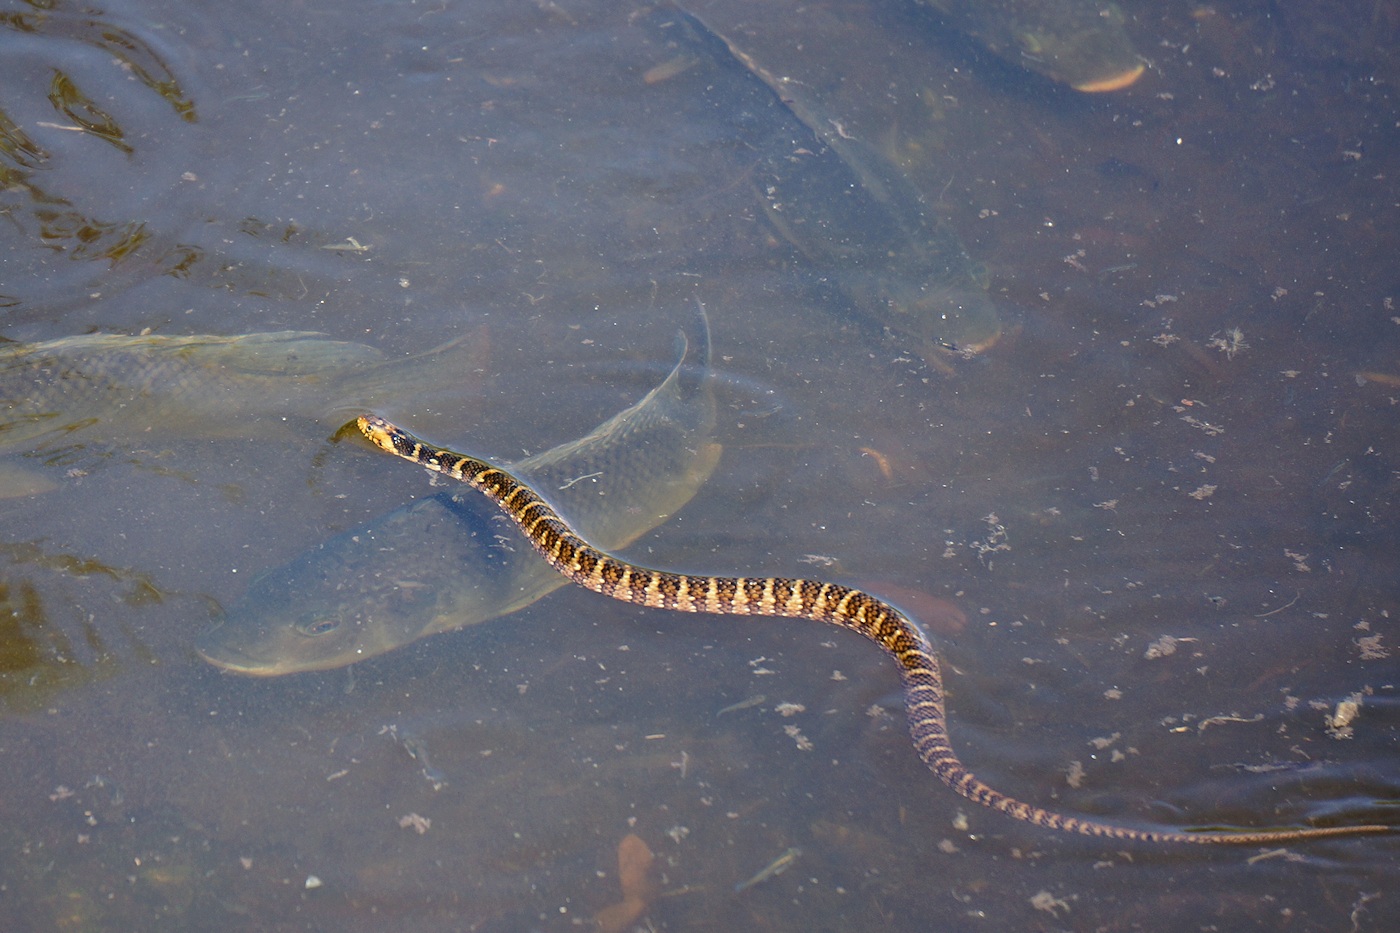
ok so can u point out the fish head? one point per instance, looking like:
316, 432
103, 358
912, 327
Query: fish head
958, 319
1083, 45
366, 592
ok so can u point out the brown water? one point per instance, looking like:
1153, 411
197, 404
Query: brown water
1119, 469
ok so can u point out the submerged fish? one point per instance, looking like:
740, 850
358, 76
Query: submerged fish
848, 209
118, 388
774, 868
446, 562
1081, 43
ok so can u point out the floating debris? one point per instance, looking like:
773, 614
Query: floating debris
351, 245
1340, 720
804, 744
1371, 648
1231, 342
1166, 645
1221, 720
1049, 903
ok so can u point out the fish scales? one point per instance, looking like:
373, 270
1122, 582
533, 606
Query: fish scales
860, 223
118, 390
127, 385
449, 561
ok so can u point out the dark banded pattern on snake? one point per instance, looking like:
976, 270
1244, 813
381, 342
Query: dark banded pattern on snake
839, 605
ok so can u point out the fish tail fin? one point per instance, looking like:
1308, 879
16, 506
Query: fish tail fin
693, 350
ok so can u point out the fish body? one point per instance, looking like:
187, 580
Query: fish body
774, 868
126, 386
1081, 43
111, 389
850, 211
450, 561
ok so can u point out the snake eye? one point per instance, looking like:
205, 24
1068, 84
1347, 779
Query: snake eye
318, 625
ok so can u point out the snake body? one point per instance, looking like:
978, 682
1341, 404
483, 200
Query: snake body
839, 605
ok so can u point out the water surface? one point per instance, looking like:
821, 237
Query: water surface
1165, 503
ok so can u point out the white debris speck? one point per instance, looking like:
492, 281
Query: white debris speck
312, 882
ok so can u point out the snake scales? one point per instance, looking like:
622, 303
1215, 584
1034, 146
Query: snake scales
840, 605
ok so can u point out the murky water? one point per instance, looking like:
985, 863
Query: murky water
1165, 502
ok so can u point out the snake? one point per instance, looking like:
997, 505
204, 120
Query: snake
850, 608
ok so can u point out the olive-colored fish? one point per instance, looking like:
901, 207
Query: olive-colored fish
443, 563
1081, 43
850, 211
120, 389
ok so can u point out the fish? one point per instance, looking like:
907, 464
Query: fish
749, 703
774, 868
1080, 43
448, 561
417, 748
856, 218
121, 390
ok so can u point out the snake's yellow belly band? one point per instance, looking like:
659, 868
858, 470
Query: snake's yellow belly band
839, 605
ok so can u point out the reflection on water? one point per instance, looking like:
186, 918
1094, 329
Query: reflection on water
26, 167
42, 653
1105, 483
133, 54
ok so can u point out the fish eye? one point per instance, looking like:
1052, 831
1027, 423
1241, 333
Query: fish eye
317, 626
